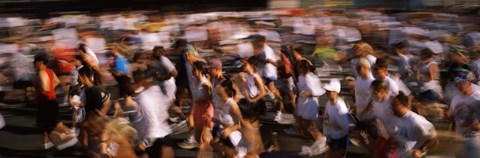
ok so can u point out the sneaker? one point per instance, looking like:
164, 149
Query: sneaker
64, 140
319, 147
48, 145
174, 119
354, 141
188, 144
181, 127
75, 131
285, 119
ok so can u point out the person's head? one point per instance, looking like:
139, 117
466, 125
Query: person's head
248, 66
362, 49
158, 51
118, 129
82, 48
305, 67
85, 75
40, 61
179, 45
458, 54
400, 104
226, 90
252, 112
333, 89
379, 89
199, 69
426, 54
400, 48
463, 79
216, 68
78, 60
257, 41
363, 68
381, 68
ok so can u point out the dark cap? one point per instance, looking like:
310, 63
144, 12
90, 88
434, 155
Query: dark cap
179, 43
255, 37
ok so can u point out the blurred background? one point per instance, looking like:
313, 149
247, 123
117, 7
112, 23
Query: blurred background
217, 28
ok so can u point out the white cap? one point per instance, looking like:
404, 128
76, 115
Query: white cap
334, 86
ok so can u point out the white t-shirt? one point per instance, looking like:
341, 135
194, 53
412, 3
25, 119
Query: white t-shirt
450, 91
312, 84
156, 105
401, 85
392, 86
465, 110
382, 110
354, 62
252, 88
270, 70
413, 131
337, 113
362, 92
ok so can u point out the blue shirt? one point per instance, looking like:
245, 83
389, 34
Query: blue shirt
121, 64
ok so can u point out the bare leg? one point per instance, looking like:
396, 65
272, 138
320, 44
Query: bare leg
167, 152
278, 97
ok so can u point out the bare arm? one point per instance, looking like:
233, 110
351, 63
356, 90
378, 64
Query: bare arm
56, 81
433, 71
261, 87
174, 73
45, 81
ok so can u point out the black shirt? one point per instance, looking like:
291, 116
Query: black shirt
93, 100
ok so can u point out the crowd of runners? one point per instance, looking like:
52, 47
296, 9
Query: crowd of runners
133, 78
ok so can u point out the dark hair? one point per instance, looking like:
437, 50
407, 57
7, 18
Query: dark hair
42, 57
401, 98
86, 70
228, 85
381, 63
158, 48
305, 63
137, 56
179, 43
82, 48
257, 38
378, 85
400, 45
426, 53
252, 111
200, 66
252, 62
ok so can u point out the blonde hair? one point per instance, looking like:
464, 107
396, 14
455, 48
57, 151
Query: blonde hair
120, 128
363, 47
362, 62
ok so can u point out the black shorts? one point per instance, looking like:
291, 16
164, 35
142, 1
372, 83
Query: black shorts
268, 80
156, 149
47, 116
336, 144
22, 84
124, 85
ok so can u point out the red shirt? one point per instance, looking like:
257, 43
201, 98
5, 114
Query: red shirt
45, 95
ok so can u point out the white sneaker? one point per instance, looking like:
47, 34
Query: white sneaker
75, 131
190, 143
319, 147
48, 145
285, 119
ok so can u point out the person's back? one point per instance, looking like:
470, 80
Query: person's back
45, 95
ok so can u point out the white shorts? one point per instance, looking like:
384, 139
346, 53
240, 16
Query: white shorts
307, 109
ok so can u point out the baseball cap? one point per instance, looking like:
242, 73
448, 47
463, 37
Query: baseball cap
463, 75
215, 63
333, 86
